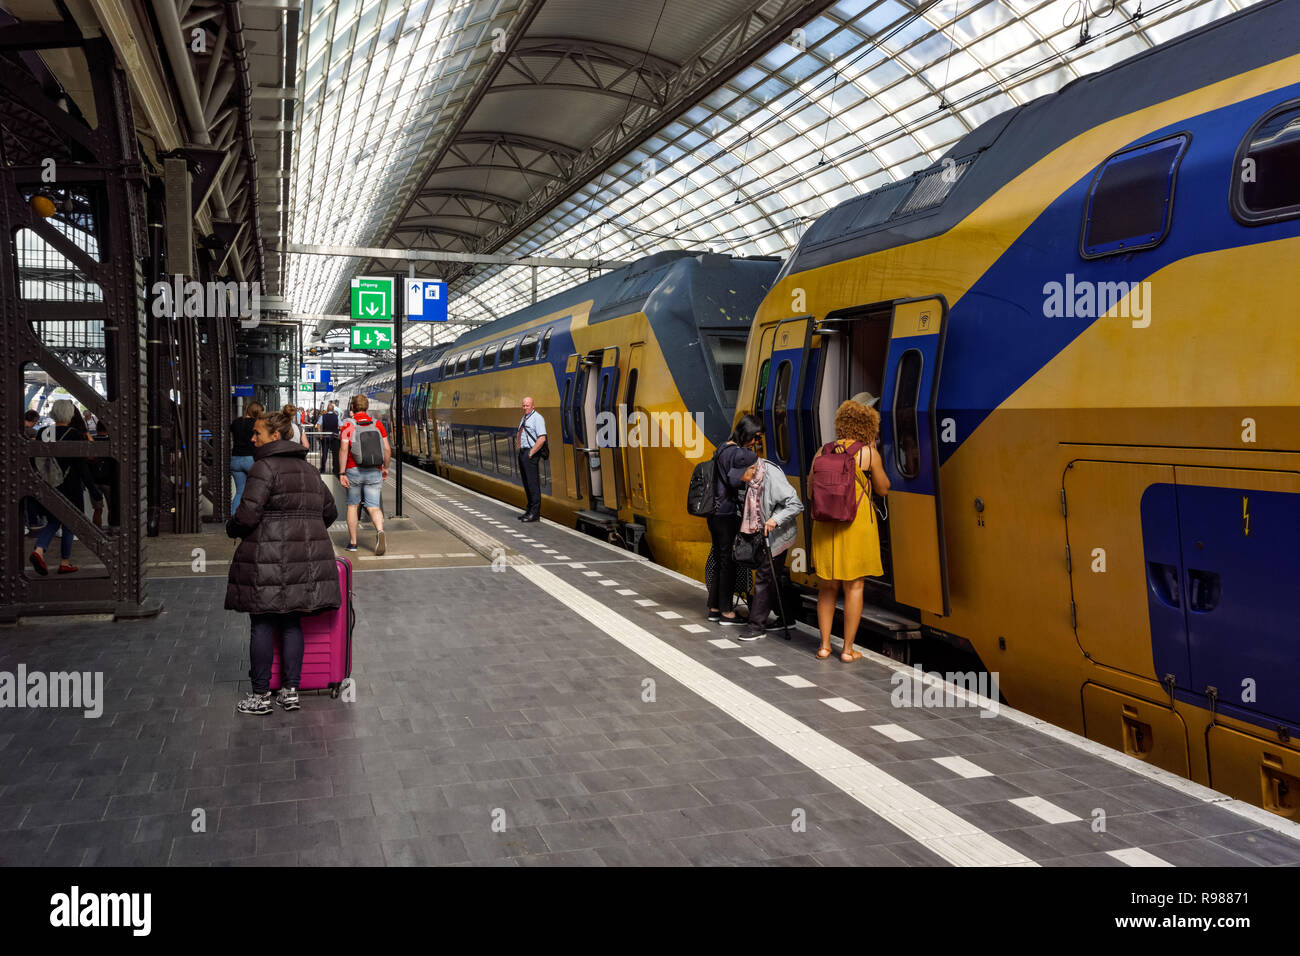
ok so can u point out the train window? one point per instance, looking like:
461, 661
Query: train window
546, 344
490, 356
1266, 174
1131, 201
780, 416
507, 356
907, 392
528, 347
474, 359
461, 364
761, 395
729, 358
447, 368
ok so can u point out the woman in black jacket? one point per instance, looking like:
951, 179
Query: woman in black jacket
76, 478
738, 451
284, 567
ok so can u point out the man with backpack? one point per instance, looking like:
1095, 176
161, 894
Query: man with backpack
365, 449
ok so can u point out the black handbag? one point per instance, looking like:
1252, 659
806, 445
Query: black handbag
749, 549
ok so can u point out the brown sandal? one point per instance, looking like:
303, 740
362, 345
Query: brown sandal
823, 653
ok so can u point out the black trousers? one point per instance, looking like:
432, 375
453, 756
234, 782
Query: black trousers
722, 593
261, 651
329, 454
529, 471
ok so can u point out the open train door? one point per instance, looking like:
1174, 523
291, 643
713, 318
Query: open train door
785, 416
910, 438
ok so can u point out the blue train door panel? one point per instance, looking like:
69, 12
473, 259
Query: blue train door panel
607, 429
1240, 570
910, 440
783, 412
567, 459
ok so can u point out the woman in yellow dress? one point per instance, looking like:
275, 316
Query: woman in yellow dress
846, 552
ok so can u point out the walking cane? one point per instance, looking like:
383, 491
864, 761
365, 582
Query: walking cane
776, 586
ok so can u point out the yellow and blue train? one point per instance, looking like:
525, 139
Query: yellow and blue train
1081, 327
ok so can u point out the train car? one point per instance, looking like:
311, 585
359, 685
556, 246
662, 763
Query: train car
636, 374
1080, 324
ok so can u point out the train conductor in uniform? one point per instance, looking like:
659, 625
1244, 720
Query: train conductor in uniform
530, 439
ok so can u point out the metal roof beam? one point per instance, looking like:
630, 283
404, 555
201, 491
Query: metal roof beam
434, 255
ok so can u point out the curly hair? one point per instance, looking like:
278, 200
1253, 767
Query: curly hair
857, 422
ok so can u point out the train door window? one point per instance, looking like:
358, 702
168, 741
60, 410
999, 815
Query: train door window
1131, 202
630, 400
780, 414
1266, 174
528, 347
507, 356
565, 404
907, 438
545, 346
765, 345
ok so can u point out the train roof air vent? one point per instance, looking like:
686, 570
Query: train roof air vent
932, 188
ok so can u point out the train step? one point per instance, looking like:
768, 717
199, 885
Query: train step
605, 521
898, 627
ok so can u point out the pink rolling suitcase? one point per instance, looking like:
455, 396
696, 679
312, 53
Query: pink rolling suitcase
327, 642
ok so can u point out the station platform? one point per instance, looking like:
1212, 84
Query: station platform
528, 695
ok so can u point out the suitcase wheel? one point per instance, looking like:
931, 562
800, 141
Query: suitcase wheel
334, 691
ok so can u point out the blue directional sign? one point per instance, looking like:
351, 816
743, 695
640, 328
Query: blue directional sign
245, 391
426, 300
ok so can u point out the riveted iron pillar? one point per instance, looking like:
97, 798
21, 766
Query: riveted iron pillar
104, 166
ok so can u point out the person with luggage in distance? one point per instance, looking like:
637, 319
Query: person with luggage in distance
734, 456
284, 566
364, 447
769, 509
846, 536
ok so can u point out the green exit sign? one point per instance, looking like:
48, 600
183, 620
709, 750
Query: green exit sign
372, 336
372, 298
306, 387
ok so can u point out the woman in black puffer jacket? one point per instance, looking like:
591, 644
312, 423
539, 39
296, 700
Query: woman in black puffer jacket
284, 567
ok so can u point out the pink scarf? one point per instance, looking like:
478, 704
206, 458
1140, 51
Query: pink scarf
753, 517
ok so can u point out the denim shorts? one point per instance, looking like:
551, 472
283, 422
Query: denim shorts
367, 482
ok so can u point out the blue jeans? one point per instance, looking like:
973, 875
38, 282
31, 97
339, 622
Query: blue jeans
365, 485
240, 466
52, 526
261, 650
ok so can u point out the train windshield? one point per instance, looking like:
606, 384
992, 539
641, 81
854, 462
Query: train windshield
729, 359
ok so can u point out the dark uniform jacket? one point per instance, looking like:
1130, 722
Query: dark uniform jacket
285, 562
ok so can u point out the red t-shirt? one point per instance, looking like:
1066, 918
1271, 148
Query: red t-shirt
349, 427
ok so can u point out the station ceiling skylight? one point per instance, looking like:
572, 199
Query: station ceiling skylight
864, 94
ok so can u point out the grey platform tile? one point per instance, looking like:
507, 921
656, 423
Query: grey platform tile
671, 797
370, 783
563, 858
1053, 783
213, 847
715, 849
1262, 847
426, 851
71, 811
150, 853
1206, 820
306, 789
642, 854
346, 807
487, 844
734, 790
1148, 795
126, 783
30, 793
27, 847
657, 826
1199, 853
595, 805
257, 816
359, 854
723, 818
778, 841
1084, 860
860, 856
297, 837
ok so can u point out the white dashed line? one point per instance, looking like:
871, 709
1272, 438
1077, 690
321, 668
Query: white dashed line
757, 661
625, 592
962, 767
607, 583
669, 615
1136, 856
591, 574
794, 681
695, 629
577, 564
646, 602
896, 733
1044, 810
840, 704
723, 643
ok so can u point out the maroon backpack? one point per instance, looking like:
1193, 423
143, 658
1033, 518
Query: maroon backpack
833, 487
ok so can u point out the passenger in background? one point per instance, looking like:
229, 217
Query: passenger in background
770, 506
737, 452
530, 441
299, 433
284, 565
367, 453
70, 476
846, 552
32, 512
92, 487
241, 449
329, 454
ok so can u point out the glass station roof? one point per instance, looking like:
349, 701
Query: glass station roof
867, 93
